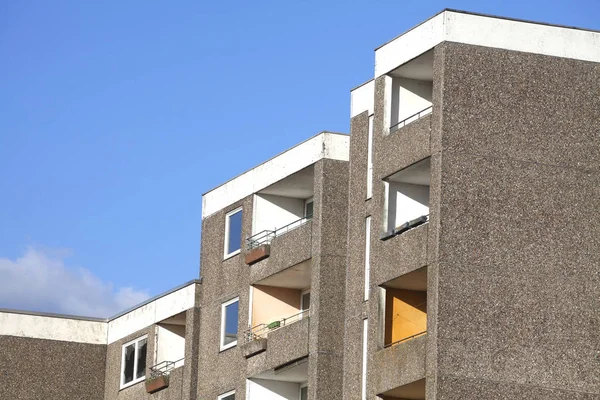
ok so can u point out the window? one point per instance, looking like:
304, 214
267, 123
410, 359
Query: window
305, 302
229, 323
233, 232
308, 208
304, 391
133, 361
227, 396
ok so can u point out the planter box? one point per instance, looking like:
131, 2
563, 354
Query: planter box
156, 384
257, 254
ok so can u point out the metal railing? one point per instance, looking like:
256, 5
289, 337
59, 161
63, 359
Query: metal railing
165, 367
266, 236
261, 331
410, 119
405, 339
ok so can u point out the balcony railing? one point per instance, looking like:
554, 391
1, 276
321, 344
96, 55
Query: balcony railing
266, 236
405, 339
164, 368
410, 119
405, 227
261, 331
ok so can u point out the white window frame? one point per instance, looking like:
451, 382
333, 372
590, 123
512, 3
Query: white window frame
306, 202
222, 396
302, 302
365, 341
370, 159
135, 362
226, 253
222, 344
367, 257
302, 386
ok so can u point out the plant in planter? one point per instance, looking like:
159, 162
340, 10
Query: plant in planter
156, 383
274, 324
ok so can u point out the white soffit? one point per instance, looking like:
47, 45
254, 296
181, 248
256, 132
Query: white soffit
488, 31
52, 328
329, 145
362, 98
151, 313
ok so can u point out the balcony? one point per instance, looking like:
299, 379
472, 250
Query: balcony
407, 199
412, 118
410, 91
400, 361
266, 236
262, 330
288, 381
169, 352
278, 209
405, 309
276, 302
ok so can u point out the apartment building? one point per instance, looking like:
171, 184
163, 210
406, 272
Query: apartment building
474, 214
446, 249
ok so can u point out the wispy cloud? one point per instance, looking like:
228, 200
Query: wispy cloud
41, 281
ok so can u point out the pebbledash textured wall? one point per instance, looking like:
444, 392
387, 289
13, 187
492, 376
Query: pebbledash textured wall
511, 245
50, 369
519, 222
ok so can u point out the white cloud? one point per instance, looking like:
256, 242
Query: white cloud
40, 281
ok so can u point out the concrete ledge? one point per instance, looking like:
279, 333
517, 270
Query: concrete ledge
399, 255
404, 147
285, 345
286, 251
399, 365
254, 347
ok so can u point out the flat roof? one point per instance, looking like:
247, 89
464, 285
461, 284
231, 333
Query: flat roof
488, 16
74, 328
332, 145
488, 31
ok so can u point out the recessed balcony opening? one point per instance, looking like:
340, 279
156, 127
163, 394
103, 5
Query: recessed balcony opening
282, 207
412, 391
410, 91
170, 345
404, 307
407, 198
287, 382
280, 300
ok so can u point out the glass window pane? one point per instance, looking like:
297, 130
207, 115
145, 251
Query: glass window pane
308, 212
234, 241
304, 393
231, 323
230, 397
141, 359
305, 301
129, 360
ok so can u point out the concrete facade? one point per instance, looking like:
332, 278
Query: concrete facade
512, 308
493, 294
320, 243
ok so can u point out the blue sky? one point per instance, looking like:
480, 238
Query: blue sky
115, 117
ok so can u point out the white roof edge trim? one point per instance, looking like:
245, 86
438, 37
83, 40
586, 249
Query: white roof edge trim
362, 98
488, 31
53, 328
151, 313
76, 329
324, 145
